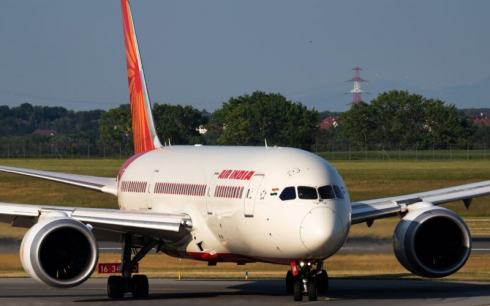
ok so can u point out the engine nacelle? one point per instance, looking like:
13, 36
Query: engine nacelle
59, 251
432, 242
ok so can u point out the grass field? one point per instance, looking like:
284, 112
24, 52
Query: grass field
387, 155
365, 180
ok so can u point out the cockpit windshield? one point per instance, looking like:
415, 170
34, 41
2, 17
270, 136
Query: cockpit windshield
289, 193
326, 192
307, 193
338, 192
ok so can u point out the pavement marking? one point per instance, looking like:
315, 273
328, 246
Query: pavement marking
480, 249
306, 303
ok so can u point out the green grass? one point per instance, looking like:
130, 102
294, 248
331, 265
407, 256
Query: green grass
21, 189
405, 154
376, 179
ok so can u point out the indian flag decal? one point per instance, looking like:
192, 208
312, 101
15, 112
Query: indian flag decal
274, 191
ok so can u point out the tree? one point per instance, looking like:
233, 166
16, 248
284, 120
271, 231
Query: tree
327, 113
401, 118
175, 122
178, 123
250, 119
482, 135
115, 127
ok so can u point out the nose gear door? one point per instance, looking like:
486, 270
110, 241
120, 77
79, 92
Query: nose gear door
251, 194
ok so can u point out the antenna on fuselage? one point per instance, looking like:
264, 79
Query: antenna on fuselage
169, 144
265, 140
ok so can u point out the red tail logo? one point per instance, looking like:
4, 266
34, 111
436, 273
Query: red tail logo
144, 134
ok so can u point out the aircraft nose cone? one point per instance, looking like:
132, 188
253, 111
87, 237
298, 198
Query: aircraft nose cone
322, 230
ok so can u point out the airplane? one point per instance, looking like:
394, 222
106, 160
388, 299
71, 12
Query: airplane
226, 204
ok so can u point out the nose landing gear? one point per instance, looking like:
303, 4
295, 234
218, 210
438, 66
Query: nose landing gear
306, 278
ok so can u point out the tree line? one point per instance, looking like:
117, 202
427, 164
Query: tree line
396, 118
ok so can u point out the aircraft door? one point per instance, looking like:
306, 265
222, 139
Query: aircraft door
251, 194
210, 193
151, 188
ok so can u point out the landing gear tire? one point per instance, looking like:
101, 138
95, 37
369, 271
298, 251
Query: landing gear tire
290, 282
115, 287
139, 284
312, 290
322, 281
298, 290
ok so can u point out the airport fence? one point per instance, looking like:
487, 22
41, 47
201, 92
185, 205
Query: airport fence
64, 150
329, 151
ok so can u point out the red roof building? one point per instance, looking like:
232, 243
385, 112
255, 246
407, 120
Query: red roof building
329, 122
482, 119
45, 132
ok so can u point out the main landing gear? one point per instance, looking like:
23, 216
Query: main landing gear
306, 277
117, 286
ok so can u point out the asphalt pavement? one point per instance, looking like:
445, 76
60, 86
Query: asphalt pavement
233, 292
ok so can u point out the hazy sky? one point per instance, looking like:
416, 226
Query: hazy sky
200, 53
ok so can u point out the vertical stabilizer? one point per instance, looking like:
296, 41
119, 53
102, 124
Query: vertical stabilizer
145, 137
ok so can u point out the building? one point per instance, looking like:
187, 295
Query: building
482, 119
45, 132
329, 122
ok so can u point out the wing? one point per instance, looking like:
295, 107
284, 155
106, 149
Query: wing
102, 184
108, 224
381, 208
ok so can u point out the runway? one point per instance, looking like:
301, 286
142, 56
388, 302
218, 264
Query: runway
270, 292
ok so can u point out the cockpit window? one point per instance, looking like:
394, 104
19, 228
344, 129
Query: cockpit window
289, 193
307, 193
338, 192
326, 192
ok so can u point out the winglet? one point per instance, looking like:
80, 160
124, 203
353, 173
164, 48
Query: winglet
145, 137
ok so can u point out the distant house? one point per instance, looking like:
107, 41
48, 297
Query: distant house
45, 132
202, 130
329, 122
482, 119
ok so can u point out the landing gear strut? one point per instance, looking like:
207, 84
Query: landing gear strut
307, 278
117, 286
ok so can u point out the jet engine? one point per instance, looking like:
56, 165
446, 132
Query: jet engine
59, 251
432, 241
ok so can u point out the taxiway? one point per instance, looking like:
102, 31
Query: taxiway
235, 292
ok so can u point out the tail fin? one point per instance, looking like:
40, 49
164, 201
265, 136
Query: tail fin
144, 133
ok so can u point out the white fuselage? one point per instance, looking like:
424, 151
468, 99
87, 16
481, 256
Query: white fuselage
232, 195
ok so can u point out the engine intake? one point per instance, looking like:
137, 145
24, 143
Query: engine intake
60, 252
432, 242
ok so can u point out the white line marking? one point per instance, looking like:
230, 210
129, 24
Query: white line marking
480, 249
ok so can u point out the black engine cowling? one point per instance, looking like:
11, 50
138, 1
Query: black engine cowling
59, 251
432, 241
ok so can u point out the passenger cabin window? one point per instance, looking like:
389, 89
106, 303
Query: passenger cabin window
338, 192
289, 193
326, 192
307, 193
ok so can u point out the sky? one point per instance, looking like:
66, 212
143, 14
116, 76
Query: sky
200, 53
